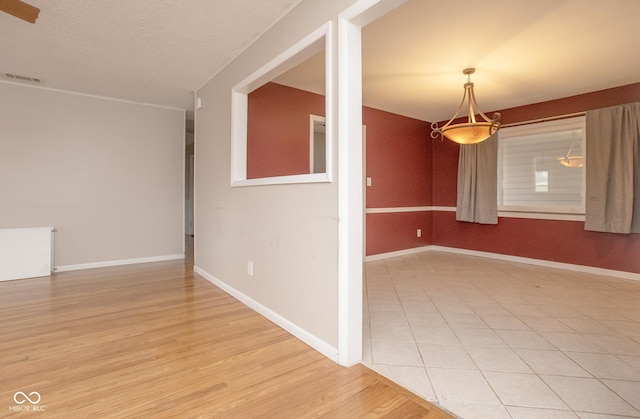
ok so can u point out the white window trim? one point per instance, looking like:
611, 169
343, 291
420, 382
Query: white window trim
294, 55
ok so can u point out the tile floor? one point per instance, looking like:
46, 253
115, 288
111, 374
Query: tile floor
485, 338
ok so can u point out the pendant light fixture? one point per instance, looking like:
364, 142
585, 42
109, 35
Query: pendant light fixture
571, 161
472, 131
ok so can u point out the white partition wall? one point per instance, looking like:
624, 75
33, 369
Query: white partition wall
286, 233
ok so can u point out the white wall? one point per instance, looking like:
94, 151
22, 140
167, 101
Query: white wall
290, 232
109, 175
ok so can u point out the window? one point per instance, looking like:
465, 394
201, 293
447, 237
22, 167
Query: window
541, 167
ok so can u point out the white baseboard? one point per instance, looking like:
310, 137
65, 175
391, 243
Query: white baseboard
509, 258
110, 263
397, 253
300, 333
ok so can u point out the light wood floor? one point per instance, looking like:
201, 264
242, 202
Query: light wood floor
155, 340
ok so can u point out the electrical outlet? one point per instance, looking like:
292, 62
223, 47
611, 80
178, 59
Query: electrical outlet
250, 268
419, 232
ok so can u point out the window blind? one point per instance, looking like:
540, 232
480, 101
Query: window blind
532, 176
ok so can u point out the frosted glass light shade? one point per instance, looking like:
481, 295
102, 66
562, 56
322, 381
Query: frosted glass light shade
571, 161
470, 133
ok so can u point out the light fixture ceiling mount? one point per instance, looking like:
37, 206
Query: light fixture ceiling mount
472, 131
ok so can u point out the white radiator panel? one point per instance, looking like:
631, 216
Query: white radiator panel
25, 252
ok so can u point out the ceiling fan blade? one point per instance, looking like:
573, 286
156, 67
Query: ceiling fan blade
20, 10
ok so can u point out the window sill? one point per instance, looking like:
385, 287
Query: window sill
283, 180
541, 215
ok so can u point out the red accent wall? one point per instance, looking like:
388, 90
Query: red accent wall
278, 130
388, 232
561, 241
399, 163
445, 172
398, 160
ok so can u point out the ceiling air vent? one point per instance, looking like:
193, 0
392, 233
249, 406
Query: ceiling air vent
21, 78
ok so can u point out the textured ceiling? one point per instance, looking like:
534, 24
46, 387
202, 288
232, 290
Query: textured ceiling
159, 51
151, 51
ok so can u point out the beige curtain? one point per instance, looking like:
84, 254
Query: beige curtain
613, 169
477, 182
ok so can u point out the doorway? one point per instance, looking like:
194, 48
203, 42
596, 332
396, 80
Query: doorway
189, 165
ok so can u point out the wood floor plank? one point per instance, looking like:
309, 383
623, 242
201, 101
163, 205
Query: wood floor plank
156, 340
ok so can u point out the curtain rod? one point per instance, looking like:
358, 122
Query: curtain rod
551, 118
